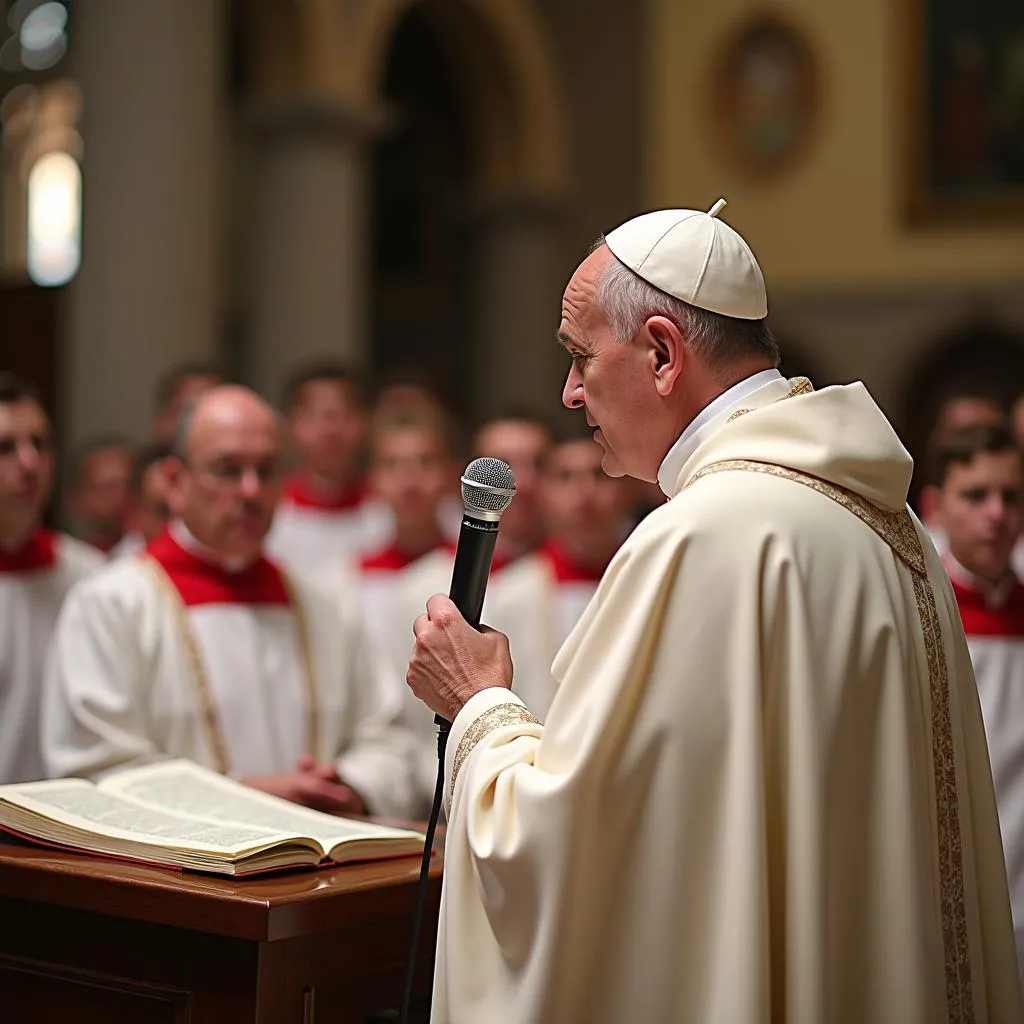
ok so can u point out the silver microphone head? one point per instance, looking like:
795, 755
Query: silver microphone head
488, 487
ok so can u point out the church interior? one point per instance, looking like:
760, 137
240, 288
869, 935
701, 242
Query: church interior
353, 207
406, 186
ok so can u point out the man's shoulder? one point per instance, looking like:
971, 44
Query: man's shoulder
122, 580
78, 558
741, 510
756, 492
735, 494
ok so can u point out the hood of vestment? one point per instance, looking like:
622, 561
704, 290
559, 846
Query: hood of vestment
838, 434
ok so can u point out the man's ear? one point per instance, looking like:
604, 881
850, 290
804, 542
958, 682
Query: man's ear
667, 353
174, 472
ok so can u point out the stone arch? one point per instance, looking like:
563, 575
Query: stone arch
278, 38
502, 56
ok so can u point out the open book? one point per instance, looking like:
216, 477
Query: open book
180, 815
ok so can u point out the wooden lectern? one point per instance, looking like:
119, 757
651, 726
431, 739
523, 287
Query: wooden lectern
89, 941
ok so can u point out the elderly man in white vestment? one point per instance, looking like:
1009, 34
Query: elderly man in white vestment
204, 648
37, 568
762, 792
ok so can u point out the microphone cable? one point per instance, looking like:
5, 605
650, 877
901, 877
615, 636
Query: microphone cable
423, 886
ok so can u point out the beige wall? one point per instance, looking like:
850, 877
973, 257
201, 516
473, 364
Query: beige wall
835, 219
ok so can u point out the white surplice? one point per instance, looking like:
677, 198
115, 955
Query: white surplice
321, 537
993, 619
762, 793
33, 583
393, 591
122, 689
130, 545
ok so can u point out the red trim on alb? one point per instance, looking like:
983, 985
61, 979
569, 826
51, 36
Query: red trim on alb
565, 568
981, 620
37, 553
393, 559
199, 582
299, 491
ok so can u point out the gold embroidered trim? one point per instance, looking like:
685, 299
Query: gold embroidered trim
495, 718
308, 669
798, 386
898, 531
204, 692
895, 528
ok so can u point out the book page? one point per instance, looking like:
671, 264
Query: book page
82, 806
187, 788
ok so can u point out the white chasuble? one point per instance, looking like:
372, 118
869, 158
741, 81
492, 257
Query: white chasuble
762, 792
168, 656
33, 582
993, 619
321, 537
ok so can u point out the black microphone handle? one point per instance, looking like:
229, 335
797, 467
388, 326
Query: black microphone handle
469, 577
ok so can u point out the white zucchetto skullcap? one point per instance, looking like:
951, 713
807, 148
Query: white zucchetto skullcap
696, 257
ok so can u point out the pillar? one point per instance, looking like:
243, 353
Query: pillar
148, 293
521, 274
310, 246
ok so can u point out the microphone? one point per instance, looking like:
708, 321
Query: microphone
488, 487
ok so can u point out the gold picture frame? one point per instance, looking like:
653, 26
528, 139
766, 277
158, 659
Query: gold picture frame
962, 134
765, 96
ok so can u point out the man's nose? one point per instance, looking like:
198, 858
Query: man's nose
251, 483
572, 393
28, 456
996, 507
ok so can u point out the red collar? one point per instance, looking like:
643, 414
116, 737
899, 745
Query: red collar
566, 568
299, 491
980, 618
392, 559
37, 553
200, 582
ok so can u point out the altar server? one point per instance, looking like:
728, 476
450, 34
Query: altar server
977, 497
327, 517
37, 567
203, 648
148, 512
521, 440
99, 487
412, 469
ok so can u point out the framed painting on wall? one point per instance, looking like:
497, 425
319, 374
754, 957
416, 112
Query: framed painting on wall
764, 96
964, 130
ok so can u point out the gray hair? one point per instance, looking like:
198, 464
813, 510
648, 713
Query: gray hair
628, 302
